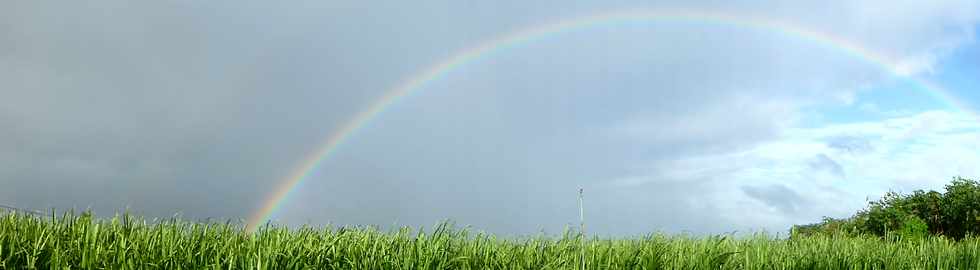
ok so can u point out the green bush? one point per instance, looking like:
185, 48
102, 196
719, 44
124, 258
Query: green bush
913, 227
954, 213
828, 227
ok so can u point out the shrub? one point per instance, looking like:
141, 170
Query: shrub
913, 227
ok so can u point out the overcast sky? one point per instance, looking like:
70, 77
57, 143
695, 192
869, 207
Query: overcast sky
203, 107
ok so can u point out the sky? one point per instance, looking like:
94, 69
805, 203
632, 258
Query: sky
203, 108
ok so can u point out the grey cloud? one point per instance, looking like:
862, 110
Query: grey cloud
822, 162
114, 105
203, 107
850, 144
778, 196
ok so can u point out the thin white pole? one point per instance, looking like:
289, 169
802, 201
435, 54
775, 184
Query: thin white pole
581, 215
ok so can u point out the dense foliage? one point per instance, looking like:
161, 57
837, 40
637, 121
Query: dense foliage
954, 213
29, 242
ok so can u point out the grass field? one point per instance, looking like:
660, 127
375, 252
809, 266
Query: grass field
80, 241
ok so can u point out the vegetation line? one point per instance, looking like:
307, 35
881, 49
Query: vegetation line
123, 242
942, 238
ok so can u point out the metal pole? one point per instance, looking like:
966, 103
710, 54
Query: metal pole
581, 215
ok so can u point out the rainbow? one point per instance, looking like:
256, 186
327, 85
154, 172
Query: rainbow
515, 39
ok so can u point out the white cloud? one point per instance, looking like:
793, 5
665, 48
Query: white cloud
922, 151
912, 35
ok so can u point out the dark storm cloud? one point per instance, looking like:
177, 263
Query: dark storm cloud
163, 108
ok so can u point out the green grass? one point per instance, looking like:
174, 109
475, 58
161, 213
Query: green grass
80, 241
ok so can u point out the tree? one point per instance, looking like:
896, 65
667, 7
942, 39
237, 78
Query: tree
961, 208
